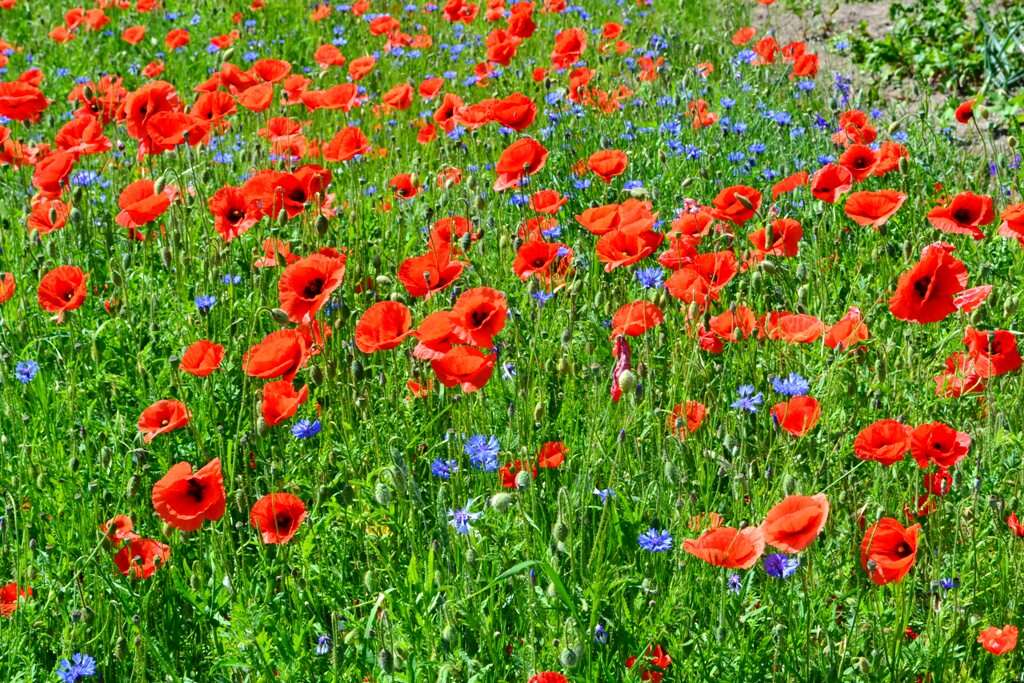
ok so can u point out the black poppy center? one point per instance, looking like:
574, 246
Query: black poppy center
283, 522
196, 491
922, 285
313, 288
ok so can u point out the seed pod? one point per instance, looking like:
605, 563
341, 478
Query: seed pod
501, 501
523, 479
166, 257
470, 556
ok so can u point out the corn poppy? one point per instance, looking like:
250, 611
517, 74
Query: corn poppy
994, 353
185, 499
728, 547
795, 328
789, 183
925, 293
524, 157
702, 280
798, 415
998, 641
383, 326
404, 186
517, 111
139, 558
548, 677
162, 417
423, 276
478, 315
635, 318
1015, 525
608, 163
547, 201
118, 530
743, 36
436, 336
9, 596
621, 248
859, 160
1013, 223
569, 46
141, 204
938, 443
62, 289
201, 358
685, 418
133, 35
888, 550
306, 285
281, 353
964, 215
830, 182
50, 175
737, 204
507, 473
959, 377
539, 258
8, 285
964, 112
346, 144
464, 366
232, 212
551, 455
48, 215
890, 155
281, 401
884, 441
873, 208
854, 129
785, 236
793, 524
21, 101
277, 516
849, 332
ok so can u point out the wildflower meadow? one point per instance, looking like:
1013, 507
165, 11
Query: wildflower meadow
502, 341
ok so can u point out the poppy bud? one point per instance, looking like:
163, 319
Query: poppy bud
447, 633
74, 464
692, 310
789, 485
801, 272
282, 217
747, 204
661, 298
801, 296
94, 352
465, 241
501, 501
560, 531
369, 580
568, 658
351, 637
564, 368
316, 375
357, 370
261, 426
470, 556
120, 648
382, 494
550, 591
166, 257
627, 380
1010, 306
669, 470
538, 412
397, 296
523, 479
321, 225
133, 486
386, 661
638, 193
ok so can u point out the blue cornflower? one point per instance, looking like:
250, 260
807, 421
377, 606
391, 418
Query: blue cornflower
80, 666
552, 233
748, 400
655, 541
792, 385
651, 278
323, 644
461, 519
727, 103
542, 297
600, 634
26, 370
205, 302
443, 468
780, 566
949, 584
508, 371
734, 583
230, 279
604, 494
304, 429
633, 185
483, 452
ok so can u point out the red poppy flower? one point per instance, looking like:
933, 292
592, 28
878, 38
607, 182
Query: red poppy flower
464, 366
795, 328
139, 558
885, 441
635, 318
854, 128
232, 212
925, 293
517, 111
277, 516
1015, 525
998, 641
890, 155
507, 473
830, 182
118, 529
847, 333
939, 482
8, 285
281, 401
964, 112
524, 157
727, 547
551, 455
737, 204
423, 276
798, 415
185, 499
793, 524
1013, 223
608, 163
873, 208
789, 183
436, 335
404, 185
888, 550
994, 353
969, 299
548, 677
281, 353
702, 280
547, 201
383, 326
685, 418
162, 417
859, 160
140, 204
51, 173
48, 215
478, 315
743, 36
785, 236
938, 443
21, 101
201, 358
624, 248
569, 46
963, 215
306, 285
960, 377
133, 35
9, 595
